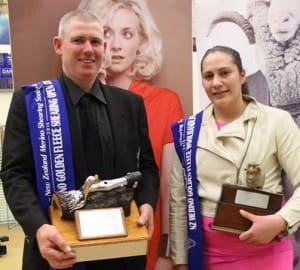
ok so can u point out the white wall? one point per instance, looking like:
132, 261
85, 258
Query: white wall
5, 98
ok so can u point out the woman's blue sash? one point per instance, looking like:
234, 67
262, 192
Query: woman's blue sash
186, 133
51, 140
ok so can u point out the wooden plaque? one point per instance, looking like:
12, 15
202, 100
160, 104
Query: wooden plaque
235, 197
134, 244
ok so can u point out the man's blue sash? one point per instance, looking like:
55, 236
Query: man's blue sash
51, 140
186, 133
50, 137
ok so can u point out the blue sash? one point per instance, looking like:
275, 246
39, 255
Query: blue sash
186, 133
51, 141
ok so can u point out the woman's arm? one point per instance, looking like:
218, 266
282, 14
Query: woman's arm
164, 261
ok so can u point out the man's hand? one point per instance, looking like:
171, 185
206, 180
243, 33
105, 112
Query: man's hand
146, 218
264, 228
53, 248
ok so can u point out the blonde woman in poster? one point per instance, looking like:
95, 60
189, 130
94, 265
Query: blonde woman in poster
134, 45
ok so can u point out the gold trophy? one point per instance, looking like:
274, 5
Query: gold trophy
250, 198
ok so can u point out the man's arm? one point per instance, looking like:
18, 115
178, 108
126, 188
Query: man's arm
17, 171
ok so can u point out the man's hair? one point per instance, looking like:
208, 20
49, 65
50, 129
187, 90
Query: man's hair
79, 14
149, 59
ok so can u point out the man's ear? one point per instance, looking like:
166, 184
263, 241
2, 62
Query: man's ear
57, 45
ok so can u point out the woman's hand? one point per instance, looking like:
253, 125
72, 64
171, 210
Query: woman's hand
163, 264
264, 228
181, 267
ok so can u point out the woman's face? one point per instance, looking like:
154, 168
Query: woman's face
222, 80
123, 40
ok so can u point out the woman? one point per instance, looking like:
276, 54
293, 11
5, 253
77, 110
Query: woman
135, 49
236, 131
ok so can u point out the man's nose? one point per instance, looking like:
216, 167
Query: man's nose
88, 46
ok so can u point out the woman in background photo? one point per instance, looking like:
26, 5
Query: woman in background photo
135, 55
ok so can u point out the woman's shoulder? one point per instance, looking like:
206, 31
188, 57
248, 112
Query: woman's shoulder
268, 110
275, 116
274, 110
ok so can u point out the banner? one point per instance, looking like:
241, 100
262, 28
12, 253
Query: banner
5, 56
32, 45
267, 35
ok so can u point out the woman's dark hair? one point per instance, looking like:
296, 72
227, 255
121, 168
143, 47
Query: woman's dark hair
235, 57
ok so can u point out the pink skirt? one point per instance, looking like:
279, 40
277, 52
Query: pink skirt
224, 251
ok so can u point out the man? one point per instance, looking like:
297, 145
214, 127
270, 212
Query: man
119, 141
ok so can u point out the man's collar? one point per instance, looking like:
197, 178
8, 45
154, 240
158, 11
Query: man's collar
76, 92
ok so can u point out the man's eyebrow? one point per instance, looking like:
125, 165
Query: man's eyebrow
100, 39
77, 36
87, 37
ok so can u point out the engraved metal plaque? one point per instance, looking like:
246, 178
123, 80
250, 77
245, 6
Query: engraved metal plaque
252, 198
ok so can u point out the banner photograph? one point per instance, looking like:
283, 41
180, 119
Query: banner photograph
31, 44
5, 56
267, 35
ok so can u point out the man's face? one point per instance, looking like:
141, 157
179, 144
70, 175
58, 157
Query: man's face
81, 50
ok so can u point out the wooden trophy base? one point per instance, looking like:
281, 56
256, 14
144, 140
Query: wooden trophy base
233, 198
134, 244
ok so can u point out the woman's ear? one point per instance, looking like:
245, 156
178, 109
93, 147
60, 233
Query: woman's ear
57, 45
243, 76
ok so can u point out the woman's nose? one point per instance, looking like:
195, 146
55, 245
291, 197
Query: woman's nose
216, 81
114, 43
